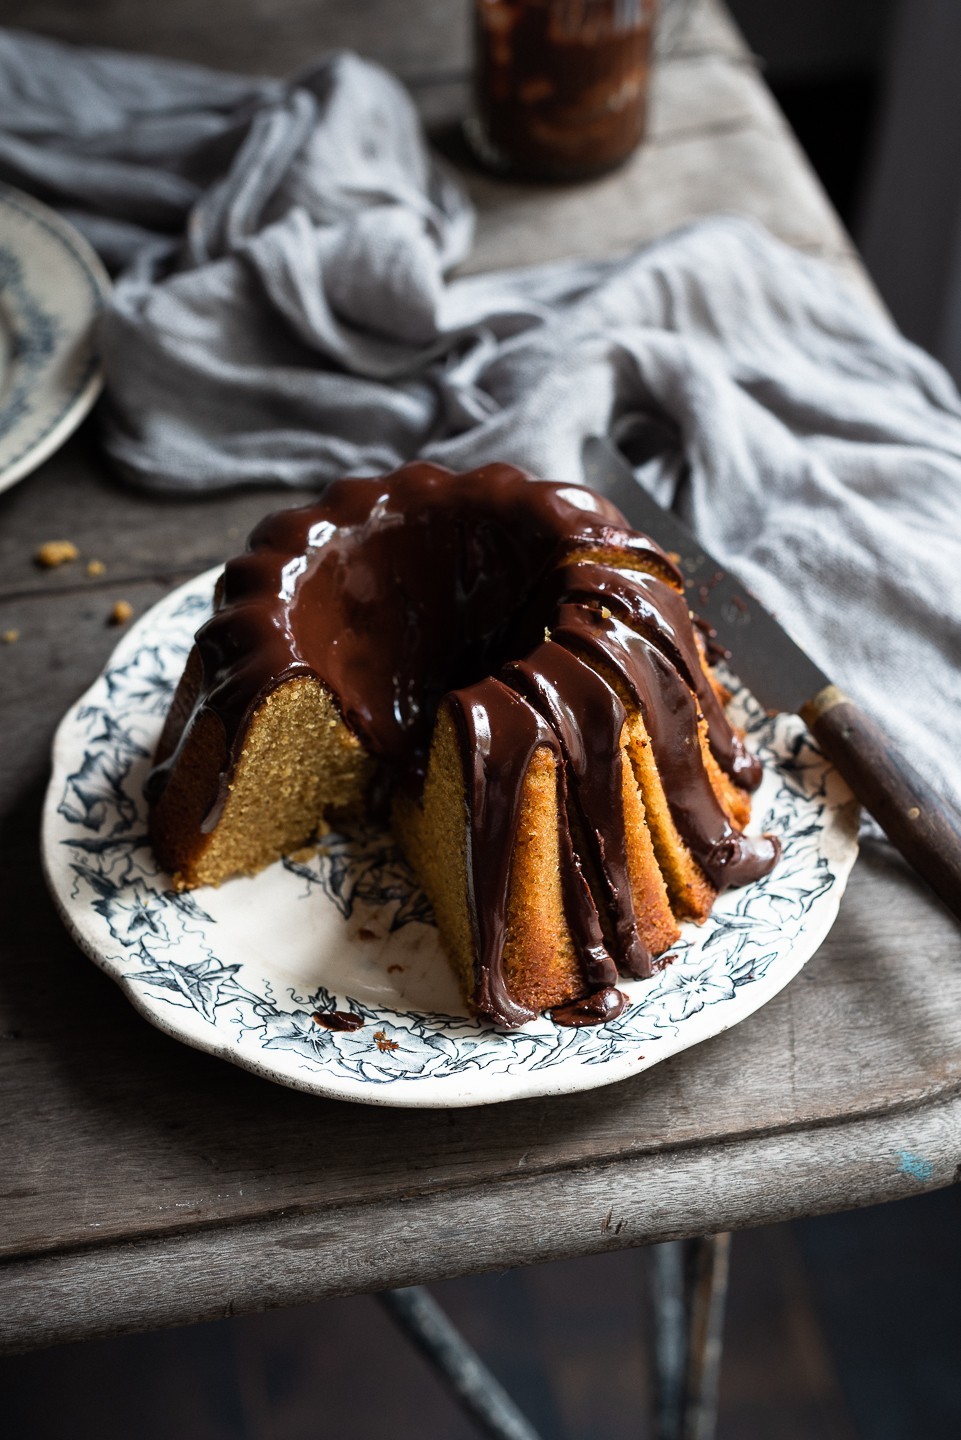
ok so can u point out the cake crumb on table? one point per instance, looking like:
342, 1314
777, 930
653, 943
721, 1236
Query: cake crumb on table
95, 568
55, 552
121, 612
10, 637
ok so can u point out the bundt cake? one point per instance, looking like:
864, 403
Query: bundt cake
512, 674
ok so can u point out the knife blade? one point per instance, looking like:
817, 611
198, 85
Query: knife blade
783, 678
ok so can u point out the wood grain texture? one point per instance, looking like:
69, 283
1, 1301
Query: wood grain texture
748, 171
146, 1184
292, 1259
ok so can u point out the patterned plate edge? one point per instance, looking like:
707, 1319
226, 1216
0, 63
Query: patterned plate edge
90, 383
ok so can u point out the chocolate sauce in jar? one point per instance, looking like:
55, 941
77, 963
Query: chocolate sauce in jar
560, 86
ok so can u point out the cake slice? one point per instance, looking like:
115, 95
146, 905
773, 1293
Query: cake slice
489, 840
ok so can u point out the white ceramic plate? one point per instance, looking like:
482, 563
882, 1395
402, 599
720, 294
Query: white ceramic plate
242, 971
52, 287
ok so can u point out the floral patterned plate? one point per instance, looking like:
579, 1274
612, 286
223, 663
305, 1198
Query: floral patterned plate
251, 971
52, 286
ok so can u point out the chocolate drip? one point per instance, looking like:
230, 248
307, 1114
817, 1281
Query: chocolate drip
588, 718
594, 1009
670, 715
655, 609
499, 733
344, 1020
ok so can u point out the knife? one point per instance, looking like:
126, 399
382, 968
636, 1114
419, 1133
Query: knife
776, 670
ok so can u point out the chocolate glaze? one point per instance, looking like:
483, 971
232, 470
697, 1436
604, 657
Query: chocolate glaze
594, 1009
499, 733
587, 718
399, 591
659, 613
670, 716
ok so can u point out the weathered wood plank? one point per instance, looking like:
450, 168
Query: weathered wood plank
746, 171
701, 27
294, 1259
704, 95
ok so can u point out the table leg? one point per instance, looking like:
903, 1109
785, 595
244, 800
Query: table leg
688, 1286
459, 1366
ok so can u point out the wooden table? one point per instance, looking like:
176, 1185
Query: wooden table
144, 1184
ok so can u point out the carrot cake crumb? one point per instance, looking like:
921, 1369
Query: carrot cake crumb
95, 568
56, 552
121, 612
10, 637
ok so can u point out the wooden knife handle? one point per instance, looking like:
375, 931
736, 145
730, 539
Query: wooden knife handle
922, 826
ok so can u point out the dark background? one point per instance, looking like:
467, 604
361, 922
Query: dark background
871, 89
827, 63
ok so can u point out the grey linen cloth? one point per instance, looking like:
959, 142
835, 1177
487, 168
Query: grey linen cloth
282, 315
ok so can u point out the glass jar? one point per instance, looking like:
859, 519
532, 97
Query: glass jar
560, 86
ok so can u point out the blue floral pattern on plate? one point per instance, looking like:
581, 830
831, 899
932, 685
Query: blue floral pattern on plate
208, 967
33, 342
52, 288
